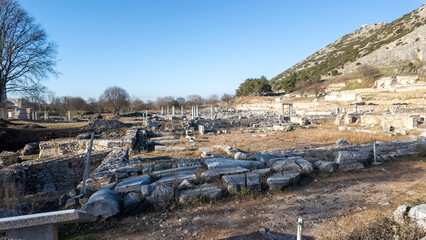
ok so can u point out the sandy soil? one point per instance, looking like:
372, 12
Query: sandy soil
241, 217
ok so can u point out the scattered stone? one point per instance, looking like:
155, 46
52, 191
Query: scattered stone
209, 190
131, 200
238, 182
215, 173
103, 203
103, 125
305, 166
133, 182
264, 157
72, 203
283, 179
400, 214
261, 172
343, 157
325, 166
168, 148
155, 193
176, 171
9, 158
286, 165
418, 215
30, 148
240, 156
342, 142
126, 172
227, 163
177, 179
83, 136
185, 184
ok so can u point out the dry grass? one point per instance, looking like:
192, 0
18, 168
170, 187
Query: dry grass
55, 125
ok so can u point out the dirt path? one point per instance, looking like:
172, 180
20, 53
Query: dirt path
241, 217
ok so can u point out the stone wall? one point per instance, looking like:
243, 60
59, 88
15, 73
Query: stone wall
50, 175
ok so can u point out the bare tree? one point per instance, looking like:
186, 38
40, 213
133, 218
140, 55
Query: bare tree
369, 72
115, 98
26, 56
227, 98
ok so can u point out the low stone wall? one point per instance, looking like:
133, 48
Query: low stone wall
50, 175
400, 122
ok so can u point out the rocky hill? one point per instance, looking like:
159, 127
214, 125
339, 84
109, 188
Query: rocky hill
382, 45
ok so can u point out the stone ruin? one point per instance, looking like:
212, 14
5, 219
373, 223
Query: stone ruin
117, 180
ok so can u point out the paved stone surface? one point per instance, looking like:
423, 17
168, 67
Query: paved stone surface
227, 163
282, 179
103, 203
238, 182
215, 173
209, 190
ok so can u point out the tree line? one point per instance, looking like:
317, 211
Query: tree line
116, 100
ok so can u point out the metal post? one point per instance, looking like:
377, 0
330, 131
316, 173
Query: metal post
86, 169
299, 228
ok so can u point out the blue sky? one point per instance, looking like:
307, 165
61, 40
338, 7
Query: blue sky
181, 47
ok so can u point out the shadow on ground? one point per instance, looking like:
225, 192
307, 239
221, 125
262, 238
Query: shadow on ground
267, 236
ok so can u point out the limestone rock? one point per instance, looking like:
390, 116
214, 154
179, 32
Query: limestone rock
131, 200
132, 182
215, 173
342, 142
286, 165
240, 156
325, 166
103, 203
227, 163
305, 166
238, 182
400, 214
155, 193
418, 215
30, 148
282, 179
209, 190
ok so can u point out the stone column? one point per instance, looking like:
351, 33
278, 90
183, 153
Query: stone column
36, 115
196, 111
282, 109
355, 108
212, 113
146, 117
60, 116
167, 110
162, 110
181, 111
69, 116
337, 111
173, 110
290, 109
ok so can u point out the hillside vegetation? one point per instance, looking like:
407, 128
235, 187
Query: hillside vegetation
329, 61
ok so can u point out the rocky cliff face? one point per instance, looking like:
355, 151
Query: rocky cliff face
380, 44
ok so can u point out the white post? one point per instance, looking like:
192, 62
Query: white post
299, 228
211, 112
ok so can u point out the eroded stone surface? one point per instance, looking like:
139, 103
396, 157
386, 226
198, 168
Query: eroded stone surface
283, 179
209, 190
